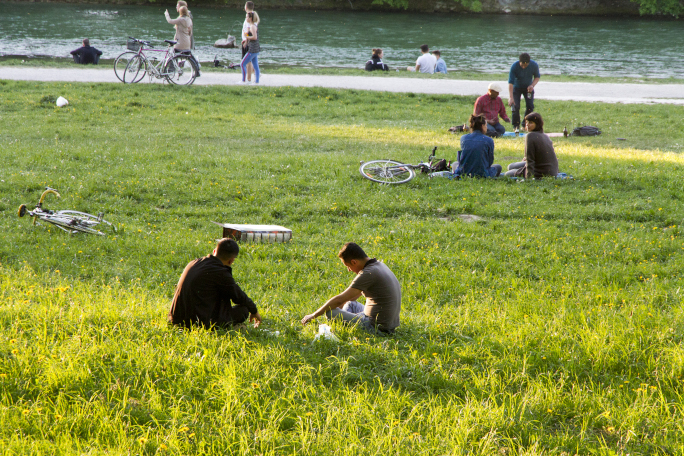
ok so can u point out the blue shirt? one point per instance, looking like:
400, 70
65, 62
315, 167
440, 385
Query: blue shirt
522, 78
441, 66
477, 156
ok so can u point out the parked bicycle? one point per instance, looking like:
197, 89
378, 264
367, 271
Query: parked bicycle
69, 221
176, 68
394, 172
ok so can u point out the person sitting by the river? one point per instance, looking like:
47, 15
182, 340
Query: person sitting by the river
426, 62
86, 53
477, 151
375, 63
540, 158
491, 106
440, 65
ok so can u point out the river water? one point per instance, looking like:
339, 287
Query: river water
632, 47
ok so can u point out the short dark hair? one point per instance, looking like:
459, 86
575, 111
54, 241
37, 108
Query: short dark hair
537, 119
424, 48
377, 52
437, 53
524, 57
227, 248
86, 42
249, 6
351, 251
476, 122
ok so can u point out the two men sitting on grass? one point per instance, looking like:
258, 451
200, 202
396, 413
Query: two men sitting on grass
206, 288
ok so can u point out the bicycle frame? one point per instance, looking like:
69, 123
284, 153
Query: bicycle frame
156, 70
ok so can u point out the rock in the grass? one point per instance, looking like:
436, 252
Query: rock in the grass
470, 218
61, 101
229, 42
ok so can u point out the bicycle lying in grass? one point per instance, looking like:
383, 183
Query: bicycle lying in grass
69, 221
394, 172
176, 68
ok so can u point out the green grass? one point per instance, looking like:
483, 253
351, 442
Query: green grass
54, 62
554, 326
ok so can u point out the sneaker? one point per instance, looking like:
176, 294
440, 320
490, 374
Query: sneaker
243, 83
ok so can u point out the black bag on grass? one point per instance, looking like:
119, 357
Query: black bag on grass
587, 130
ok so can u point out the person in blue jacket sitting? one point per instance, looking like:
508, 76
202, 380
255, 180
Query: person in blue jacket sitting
86, 53
375, 63
440, 66
477, 151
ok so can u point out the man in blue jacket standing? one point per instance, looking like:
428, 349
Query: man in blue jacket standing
522, 78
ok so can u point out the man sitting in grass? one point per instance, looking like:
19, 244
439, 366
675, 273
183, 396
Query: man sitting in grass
377, 283
205, 291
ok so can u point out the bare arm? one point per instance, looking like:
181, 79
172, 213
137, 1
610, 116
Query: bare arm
350, 294
253, 31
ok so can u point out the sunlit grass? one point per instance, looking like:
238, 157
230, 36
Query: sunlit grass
552, 326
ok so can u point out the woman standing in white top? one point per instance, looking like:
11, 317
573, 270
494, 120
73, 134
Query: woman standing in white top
249, 8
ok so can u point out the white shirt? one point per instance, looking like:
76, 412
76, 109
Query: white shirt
245, 29
427, 63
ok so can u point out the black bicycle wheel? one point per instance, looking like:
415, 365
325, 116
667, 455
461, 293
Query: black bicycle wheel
121, 62
181, 70
387, 171
135, 70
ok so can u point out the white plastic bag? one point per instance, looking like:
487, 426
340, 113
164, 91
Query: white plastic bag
61, 102
325, 332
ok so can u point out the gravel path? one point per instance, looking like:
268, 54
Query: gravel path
575, 91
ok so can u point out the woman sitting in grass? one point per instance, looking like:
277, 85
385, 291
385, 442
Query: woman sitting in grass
477, 151
540, 158
375, 63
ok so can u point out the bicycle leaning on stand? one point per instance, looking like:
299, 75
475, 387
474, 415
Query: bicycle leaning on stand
176, 68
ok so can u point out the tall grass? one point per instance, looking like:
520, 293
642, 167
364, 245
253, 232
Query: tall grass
553, 326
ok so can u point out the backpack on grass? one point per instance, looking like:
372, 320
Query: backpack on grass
587, 130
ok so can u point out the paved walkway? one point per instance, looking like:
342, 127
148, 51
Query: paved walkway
576, 91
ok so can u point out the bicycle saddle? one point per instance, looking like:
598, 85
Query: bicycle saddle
171, 42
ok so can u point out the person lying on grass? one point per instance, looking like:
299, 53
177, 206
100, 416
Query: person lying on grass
205, 291
376, 282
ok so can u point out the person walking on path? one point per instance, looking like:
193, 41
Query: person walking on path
376, 282
522, 78
540, 157
491, 106
206, 288
477, 152
249, 8
253, 49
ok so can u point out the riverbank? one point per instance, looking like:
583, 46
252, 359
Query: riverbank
569, 91
207, 67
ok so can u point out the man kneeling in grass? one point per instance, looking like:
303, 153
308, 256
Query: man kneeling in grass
205, 291
377, 283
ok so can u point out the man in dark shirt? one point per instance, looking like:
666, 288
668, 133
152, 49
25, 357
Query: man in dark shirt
205, 291
522, 78
86, 53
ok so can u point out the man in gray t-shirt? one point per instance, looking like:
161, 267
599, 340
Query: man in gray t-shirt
376, 282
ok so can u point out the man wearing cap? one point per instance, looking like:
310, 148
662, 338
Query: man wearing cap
491, 106
522, 78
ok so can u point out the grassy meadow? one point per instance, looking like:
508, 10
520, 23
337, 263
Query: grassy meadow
554, 326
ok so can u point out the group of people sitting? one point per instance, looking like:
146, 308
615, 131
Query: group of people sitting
208, 296
428, 63
477, 148
476, 158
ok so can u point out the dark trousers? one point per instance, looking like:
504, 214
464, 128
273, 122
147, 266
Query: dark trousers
233, 315
529, 105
